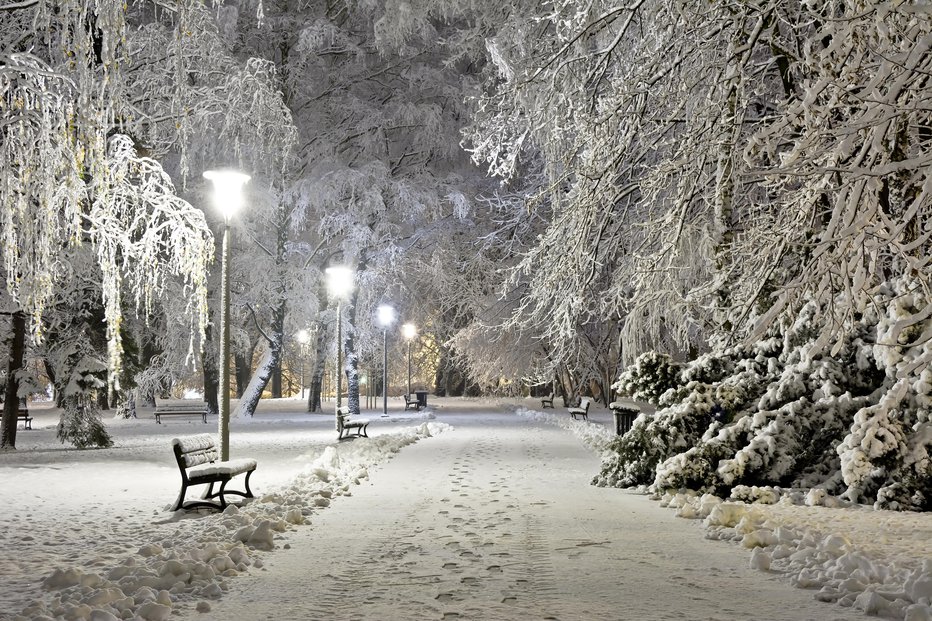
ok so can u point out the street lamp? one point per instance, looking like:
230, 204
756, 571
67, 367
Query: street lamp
386, 318
228, 198
339, 283
303, 338
409, 332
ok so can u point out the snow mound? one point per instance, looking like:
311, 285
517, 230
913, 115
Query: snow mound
195, 558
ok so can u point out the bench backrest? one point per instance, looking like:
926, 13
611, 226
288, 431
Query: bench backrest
584, 403
195, 450
343, 414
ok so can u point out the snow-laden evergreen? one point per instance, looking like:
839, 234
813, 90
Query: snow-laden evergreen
781, 412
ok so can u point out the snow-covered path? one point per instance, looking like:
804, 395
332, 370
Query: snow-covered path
495, 519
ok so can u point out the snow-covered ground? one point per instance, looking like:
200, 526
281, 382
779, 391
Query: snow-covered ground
482, 514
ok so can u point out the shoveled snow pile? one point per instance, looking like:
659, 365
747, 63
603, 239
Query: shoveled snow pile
595, 437
194, 561
898, 586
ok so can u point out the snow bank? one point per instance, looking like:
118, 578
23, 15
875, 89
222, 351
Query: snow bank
899, 587
195, 558
889, 581
595, 437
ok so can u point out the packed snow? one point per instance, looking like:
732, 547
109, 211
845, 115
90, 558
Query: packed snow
88, 534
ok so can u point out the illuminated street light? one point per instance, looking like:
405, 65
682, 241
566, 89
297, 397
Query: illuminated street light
339, 284
228, 199
386, 318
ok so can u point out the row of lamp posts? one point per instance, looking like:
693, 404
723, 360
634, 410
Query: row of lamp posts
228, 199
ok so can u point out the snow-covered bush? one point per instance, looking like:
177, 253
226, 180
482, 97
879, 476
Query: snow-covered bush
853, 420
651, 375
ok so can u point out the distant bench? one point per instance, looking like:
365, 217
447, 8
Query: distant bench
197, 459
22, 414
195, 408
582, 411
350, 426
411, 401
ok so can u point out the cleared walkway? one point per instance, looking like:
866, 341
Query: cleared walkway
496, 520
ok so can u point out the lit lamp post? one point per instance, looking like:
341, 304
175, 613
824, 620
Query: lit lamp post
386, 318
339, 283
409, 332
228, 198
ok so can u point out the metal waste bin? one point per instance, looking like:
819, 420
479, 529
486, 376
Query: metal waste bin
421, 398
624, 415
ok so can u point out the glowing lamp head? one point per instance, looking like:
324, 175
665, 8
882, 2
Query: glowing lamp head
303, 337
386, 315
409, 331
339, 280
228, 190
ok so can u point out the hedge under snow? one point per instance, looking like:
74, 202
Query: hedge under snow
785, 412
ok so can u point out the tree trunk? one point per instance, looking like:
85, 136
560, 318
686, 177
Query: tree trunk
211, 374
351, 359
324, 332
272, 358
242, 360
315, 387
11, 395
103, 400
277, 381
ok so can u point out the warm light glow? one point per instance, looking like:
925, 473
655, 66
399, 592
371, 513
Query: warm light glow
339, 280
228, 190
409, 331
303, 337
386, 315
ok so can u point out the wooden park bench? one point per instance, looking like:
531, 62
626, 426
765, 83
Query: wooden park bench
411, 401
350, 426
624, 415
582, 410
547, 402
22, 414
195, 408
198, 461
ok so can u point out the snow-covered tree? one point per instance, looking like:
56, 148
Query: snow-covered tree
74, 86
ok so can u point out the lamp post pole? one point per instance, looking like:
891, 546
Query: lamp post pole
339, 355
340, 283
385, 372
228, 197
386, 317
303, 338
224, 417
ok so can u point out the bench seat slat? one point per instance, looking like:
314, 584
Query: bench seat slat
232, 468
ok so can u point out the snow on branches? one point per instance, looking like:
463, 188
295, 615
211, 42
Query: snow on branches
145, 234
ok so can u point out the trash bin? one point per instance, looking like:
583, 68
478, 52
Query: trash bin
624, 416
421, 398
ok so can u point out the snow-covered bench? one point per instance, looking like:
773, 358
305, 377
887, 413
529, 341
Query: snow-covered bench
197, 459
582, 411
624, 415
547, 401
411, 401
195, 408
22, 414
347, 425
